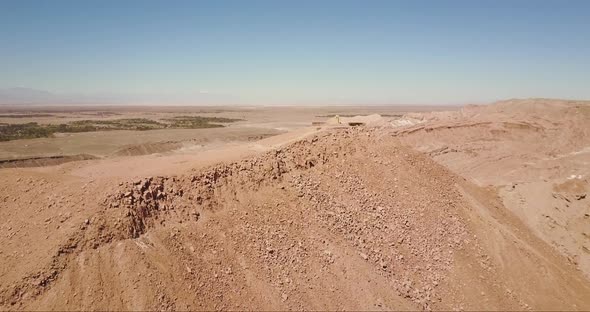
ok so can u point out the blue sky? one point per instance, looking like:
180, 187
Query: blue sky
298, 52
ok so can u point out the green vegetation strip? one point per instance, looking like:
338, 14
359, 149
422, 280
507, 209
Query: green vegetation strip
33, 130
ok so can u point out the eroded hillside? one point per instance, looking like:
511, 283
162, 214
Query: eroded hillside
348, 218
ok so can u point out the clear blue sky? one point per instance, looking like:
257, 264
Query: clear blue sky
290, 52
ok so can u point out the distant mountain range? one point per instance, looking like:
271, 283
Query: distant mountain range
29, 96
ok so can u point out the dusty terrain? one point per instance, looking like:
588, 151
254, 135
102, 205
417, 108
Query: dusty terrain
254, 123
483, 208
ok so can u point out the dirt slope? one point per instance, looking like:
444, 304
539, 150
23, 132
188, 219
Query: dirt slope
345, 219
534, 152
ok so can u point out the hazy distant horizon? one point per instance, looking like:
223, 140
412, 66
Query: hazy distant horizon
293, 53
33, 97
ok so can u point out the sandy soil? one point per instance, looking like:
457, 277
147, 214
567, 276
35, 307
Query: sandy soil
126, 143
442, 211
535, 153
256, 123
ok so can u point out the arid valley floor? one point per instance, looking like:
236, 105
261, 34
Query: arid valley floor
292, 208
